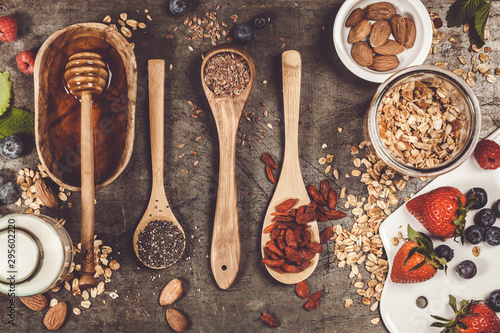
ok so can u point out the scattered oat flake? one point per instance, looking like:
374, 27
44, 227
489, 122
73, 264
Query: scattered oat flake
324, 145
190, 48
77, 311
375, 321
322, 160
196, 163
348, 303
339, 129
269, 125
328, 168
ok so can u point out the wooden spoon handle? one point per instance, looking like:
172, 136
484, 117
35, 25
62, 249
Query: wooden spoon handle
291, 68
156, 81
225, 252
87, 271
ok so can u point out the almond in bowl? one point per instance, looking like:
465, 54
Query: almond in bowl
393, 35
382, 49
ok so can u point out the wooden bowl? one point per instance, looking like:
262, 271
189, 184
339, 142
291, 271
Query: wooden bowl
57, 113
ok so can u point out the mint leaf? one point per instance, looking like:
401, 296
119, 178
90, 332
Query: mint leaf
5, 91
17, 121
461, 12
480, 19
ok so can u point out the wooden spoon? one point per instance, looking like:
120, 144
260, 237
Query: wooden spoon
290, 183
225, 251
158, 207
86, 75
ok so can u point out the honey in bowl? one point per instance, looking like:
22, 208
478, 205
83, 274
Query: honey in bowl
58, 112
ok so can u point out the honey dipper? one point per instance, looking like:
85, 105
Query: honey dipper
85, 75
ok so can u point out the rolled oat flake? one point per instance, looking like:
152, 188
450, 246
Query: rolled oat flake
160, 243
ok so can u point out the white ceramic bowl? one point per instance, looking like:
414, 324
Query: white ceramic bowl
413, 9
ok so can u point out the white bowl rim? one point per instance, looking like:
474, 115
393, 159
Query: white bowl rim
368, 74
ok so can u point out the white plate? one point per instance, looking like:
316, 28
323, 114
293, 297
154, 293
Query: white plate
413, 9
398, 308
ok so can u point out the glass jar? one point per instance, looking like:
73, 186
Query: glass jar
462, 96
35, 254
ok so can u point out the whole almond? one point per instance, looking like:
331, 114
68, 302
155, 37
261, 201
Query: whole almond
380, 11
171, 292
35, 303
381, 31
391, 47
354, 18
54, 318
359, 32
177, 321
362, 53
382, 63
398, 25
46, 194
411, 33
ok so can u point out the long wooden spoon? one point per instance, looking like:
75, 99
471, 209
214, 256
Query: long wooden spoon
225, 251
290, 183
158, 207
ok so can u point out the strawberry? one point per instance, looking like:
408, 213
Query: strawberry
442, 211
487, 154
26, 62
416, 261
470, 317
8, 29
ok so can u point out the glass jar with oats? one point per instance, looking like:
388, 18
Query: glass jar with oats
423, 121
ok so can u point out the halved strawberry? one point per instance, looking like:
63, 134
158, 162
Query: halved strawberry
470, 317
26, 62
8, 29
416, 261
442, 211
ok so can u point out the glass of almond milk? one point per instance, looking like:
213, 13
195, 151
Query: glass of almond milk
35, 254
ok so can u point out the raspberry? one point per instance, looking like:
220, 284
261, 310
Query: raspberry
487, 154
8, 29
26, 62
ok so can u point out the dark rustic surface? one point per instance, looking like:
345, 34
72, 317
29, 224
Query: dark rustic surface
338, 99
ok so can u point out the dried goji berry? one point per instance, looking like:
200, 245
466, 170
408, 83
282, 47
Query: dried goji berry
280, 214
311, 207
313, 301
306, 218
278, 269
315, 195
301, 210
292, 255
315, 247
281, 242
290, 268
335, 214
306, 254
286, 205
321, 217
276, 232
332, 199
269, 320
302, 289
269, 160
290, 239
304, 264
269, 228
273, 263
283, 219
270, 174
306, 236
324, 188
326, 234
270, 254
273, 248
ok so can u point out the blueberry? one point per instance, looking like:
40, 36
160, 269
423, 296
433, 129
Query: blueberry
260, 21
492, 236
494, 300
444, 251
3, 179
466, 269
474, 234
243, 33
496, 208
11, 147
180, 7
481, 196
485, 218
9, 193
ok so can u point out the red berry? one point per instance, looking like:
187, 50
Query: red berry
8, 29
26, 62
487, 154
